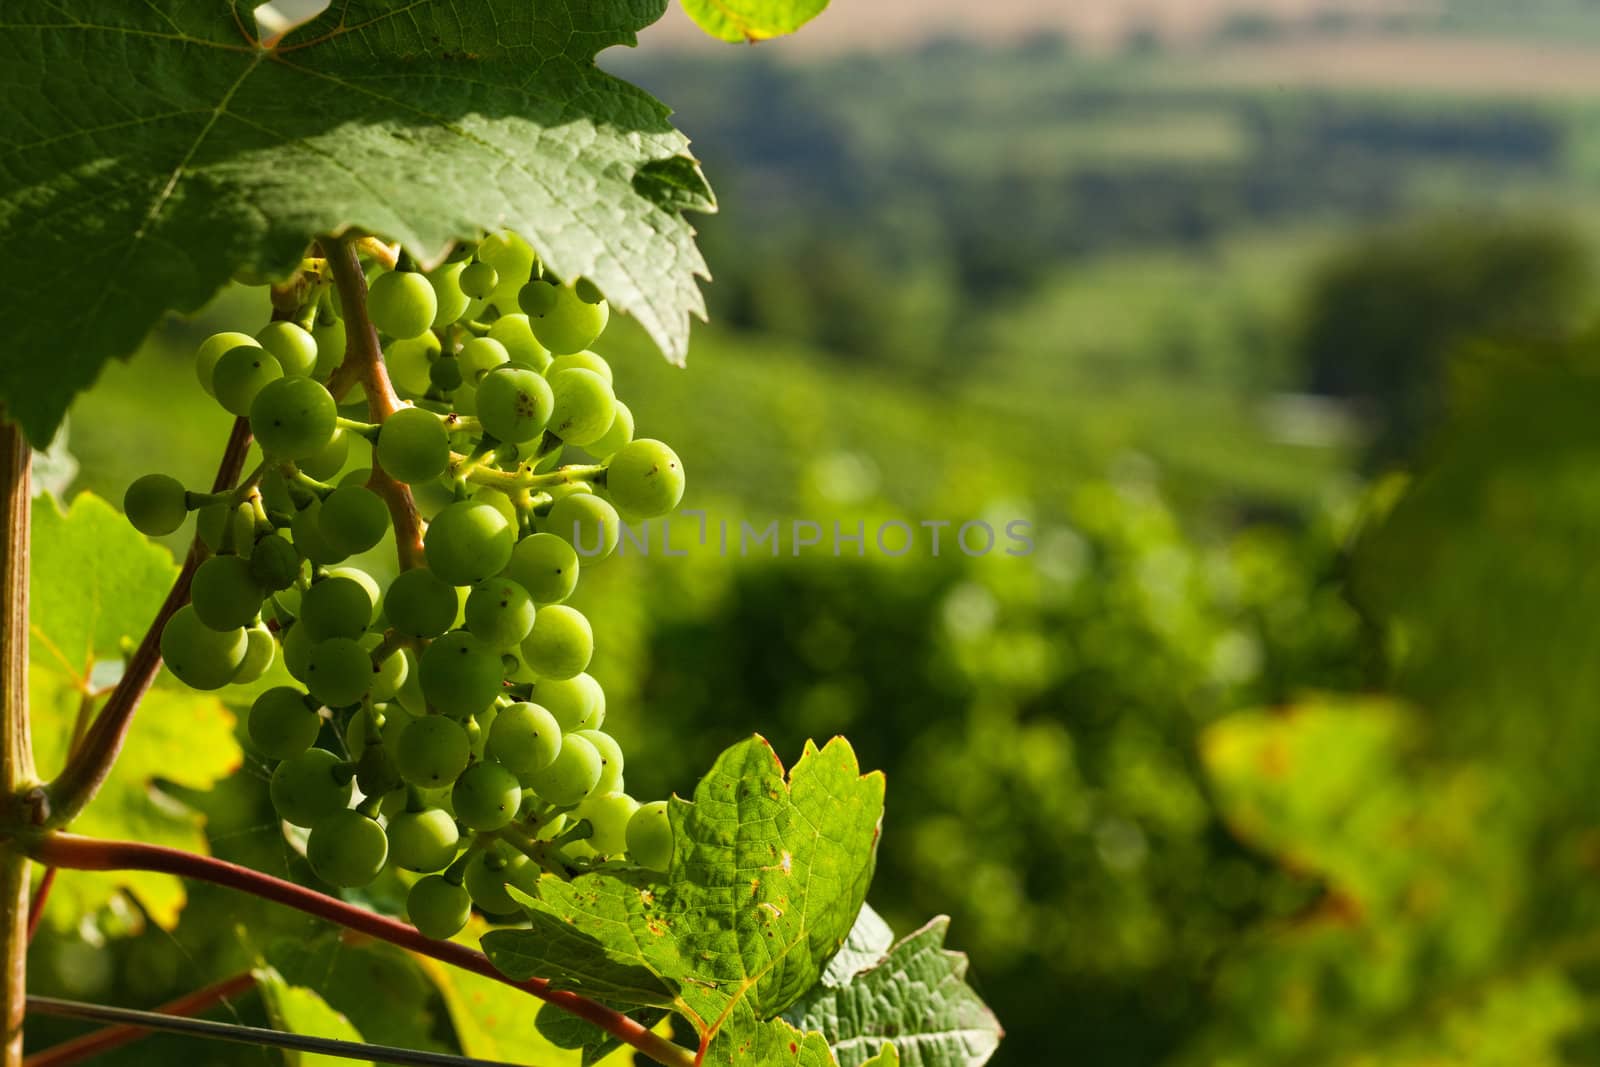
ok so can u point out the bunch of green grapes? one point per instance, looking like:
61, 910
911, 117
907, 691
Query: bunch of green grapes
445, 725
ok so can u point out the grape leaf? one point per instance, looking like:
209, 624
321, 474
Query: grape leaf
150, 151
570, 1032
868, 943
96, 583
752, 20
767, 878
744, 1039
301, 1011
915, 996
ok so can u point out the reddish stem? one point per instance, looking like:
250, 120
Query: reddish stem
90, 763
40, 896
99, 1042
88, 854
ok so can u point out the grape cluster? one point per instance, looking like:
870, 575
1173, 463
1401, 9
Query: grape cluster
444, 725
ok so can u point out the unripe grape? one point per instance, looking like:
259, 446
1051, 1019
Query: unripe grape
274, 563
432, 751
331, 341
336, 607
445, 375
225, 594
339, 672
306, 528
282, 724
347, 849
328, 460
479, 356
514, 403
510, 256
514, 332
571, 776
566, 323
583, 408
587, 523
620, 433
409, 695
438, 907
353, 519
582, 361
486, 796
402, 303
645, 478
211, 350
202, 658
537, 299
156, 504
259, 652
293, 418
293, 348
409, 362
468, 541
608, 813
413, 445
490, 871
577, 703
308, 788
545, 566
297, 646
449, 298
479, 280
524, 738
241, 373
499, 612
391, 673
460, 674
420, 604
560, 644
423, 840
650, 837
611, 761
376, 774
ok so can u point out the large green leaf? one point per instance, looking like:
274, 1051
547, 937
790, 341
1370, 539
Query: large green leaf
767, 877
301, 1011
916, 995
95, 585
148, 151
752, 20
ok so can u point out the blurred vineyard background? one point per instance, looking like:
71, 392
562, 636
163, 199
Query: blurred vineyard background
1279, 323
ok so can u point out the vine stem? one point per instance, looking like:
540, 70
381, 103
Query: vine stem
104, 1040
363, 362
18, 778
91, 761
89, 854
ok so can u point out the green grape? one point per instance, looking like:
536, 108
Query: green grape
432, 751
353, 519
338, 672
611, 761
468, 541
241, 373
537, 299
577, 703
514, 403
582, 361
645, 478
306, 529
525, 738
465, 400
275, 492
213, 349
621, 433
568, 323
156, 504
202, 658
393, 803
584, 406
293, 348
608, 813
438, 907
560, 644
420, 604
409, 695
545, 566
336, 607
499, 612
282, 723
423, 840
588, 291
587, 523
331, 341
413, 445
479, 280
274, 563
402, 303
363, 579
225, 594
571, 776
460, 674
308, 788
479, 356
211, 523
497, 500
514, 332
391, 675
329, 460
259, 652
650, 837
297, 646
376, 774
410, 362
449, 298
446, 375
293, 418
491, 870
486, 796
508, 254
347, 849
358, 731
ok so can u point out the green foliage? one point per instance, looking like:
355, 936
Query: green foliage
301, 1011
428, 123
752, 20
